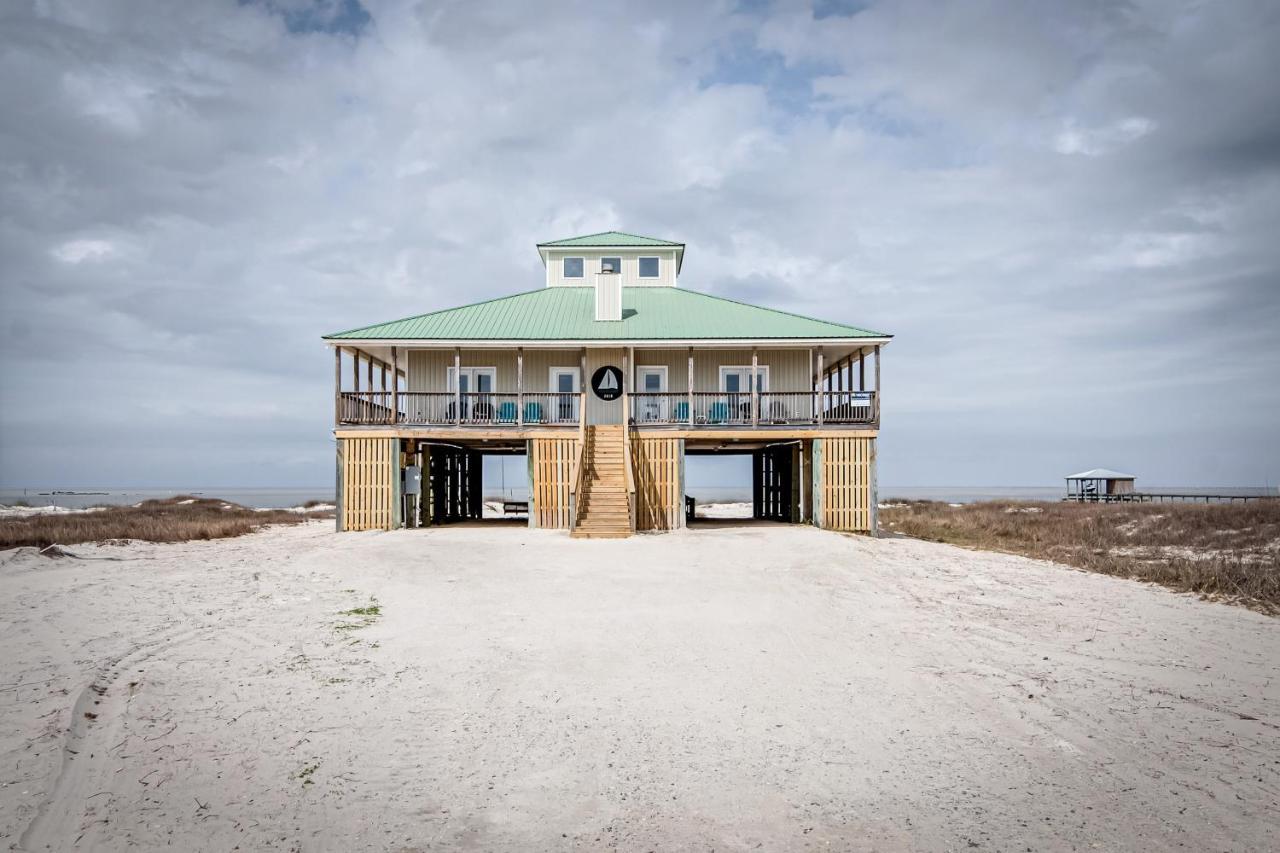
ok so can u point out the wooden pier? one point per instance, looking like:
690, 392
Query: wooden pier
1162, 497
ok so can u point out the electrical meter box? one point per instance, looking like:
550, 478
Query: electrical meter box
413, 480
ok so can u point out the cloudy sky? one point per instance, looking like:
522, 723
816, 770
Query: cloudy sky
1068, 213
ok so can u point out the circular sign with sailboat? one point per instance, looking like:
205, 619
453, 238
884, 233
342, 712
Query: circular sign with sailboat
606, 383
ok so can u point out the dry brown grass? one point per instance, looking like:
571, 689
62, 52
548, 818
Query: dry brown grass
1225, 551
177, 519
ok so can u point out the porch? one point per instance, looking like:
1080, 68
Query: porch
512, 389
643, 410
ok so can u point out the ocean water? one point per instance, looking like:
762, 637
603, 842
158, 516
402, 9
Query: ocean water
287, 497
270, 498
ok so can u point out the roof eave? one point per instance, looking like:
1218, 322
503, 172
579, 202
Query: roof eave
554, 343
679, 247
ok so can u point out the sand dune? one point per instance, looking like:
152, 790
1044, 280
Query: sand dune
730, 688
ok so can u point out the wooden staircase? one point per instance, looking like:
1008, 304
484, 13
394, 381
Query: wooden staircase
603, 511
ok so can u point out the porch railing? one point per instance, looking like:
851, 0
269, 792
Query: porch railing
365, 407
442, 408
715, 408
850, 407
674, 408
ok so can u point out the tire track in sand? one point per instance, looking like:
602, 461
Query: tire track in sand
98, 717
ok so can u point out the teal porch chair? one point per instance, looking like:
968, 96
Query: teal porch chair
719, 413
680, 412
533, 413
506, 413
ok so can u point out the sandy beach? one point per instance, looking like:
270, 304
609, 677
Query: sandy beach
729, 687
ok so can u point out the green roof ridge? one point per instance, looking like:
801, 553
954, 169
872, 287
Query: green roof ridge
564, 313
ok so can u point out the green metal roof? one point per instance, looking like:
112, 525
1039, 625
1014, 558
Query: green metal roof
610, 238
568, 313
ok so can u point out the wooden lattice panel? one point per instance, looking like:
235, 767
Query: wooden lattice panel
369, 473
658, 464
551, 480
848, 468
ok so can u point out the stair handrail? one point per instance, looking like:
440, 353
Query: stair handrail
626, 463
579, 469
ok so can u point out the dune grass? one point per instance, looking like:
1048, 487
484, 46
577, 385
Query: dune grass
177, 519
1224, 551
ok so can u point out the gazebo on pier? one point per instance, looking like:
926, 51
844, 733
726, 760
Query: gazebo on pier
1100, 484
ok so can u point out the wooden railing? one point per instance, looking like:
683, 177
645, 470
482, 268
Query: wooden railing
444, 408
630, 475
718, 408
579, 464
365, 407
850, 407
674, 408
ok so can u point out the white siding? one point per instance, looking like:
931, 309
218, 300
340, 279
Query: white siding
788, 368
599, 411
428, 369
630, 267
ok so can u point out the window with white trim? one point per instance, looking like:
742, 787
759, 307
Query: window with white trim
648, 267
475, 380
736, 379
573, 267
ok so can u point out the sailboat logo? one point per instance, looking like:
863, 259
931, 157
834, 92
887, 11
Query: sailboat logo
607, 383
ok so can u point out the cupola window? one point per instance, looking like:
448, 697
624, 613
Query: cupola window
573, 267
648, 267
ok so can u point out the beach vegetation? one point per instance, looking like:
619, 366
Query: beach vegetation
178, 519
1227, 552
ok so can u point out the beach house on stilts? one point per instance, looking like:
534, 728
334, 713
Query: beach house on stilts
607, 377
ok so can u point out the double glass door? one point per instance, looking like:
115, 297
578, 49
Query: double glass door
735, 385
475, 384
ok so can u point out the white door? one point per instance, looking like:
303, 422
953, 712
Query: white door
565, 385
651, 388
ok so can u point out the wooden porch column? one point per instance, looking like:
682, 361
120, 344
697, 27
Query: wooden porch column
689, 390
369, 367
395, 384
839, 389
355, 370
877, 368
862, 370
822, 393
755, 387
520, 387
626, 382
457, 386
582, 390
810, 383
337, 385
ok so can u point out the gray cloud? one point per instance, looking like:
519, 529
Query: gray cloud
1065, 213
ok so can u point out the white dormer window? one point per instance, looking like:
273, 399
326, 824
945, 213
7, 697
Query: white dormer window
648, 267
573, 267
611, 265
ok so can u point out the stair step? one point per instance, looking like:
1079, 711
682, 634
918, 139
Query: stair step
605, 511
